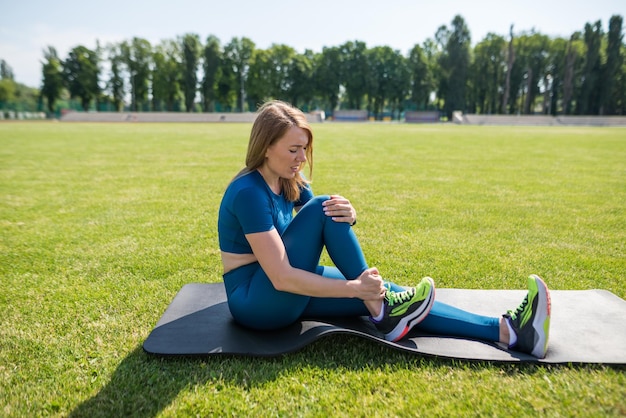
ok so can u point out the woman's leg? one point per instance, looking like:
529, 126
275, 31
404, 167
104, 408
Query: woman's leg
325, 307
255, 302
304, 239
311, 230
444, 319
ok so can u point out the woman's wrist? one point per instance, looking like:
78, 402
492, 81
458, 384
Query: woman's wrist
352, 291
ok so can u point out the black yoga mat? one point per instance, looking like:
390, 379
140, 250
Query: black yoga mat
587, 326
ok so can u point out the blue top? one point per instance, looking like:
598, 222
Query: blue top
249, 206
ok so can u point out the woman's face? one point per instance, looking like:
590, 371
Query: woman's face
285, 157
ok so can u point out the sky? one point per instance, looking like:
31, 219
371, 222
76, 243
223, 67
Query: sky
28, 27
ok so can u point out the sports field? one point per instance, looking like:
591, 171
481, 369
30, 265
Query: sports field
102, 224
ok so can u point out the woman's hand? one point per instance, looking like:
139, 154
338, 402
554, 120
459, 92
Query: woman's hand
340, 209
369, 285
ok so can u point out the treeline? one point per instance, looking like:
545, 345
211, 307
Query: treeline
524, 73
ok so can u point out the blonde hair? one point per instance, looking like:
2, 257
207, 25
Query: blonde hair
273, 121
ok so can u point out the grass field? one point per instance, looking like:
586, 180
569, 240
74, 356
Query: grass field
102, 224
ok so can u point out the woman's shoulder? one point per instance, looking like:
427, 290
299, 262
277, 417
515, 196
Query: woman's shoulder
246, 184
245, 180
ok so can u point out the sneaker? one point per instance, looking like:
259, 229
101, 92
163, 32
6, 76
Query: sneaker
531, 320
404, 310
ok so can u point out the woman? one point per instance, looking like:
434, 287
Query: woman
270, 257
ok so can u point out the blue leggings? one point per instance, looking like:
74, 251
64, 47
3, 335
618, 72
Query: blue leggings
255, 303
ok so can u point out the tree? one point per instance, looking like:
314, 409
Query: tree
279, 73
437, 49
488, 76
237, 55
280, 60
384, 83
7, 92
191, 48
227, 86
585, 74
116, 85
611, 70
533, 52
301, 84
421, 77
573, 57
455, 62
399, 84
80, 74
620, 87
327, 77
166, 76
6, 72
211, 63
52, 78
588, 98
354, 72
18, 97
510, 60
259, 82
137, 57
433, 51
554, 80
521, 74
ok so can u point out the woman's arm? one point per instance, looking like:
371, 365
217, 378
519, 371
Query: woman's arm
270, 251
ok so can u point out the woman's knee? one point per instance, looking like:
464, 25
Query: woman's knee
316, 203
312, 213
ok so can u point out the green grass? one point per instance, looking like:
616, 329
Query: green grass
101, 225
